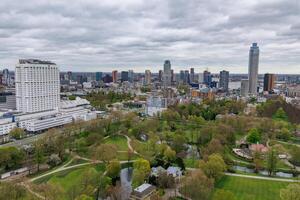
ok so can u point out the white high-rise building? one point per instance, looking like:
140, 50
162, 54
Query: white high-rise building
37, 86
253, 68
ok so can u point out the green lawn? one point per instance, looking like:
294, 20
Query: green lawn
69, 179
119, 141
250, 189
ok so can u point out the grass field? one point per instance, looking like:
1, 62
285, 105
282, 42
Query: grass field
119, 141
68, 179
251, 189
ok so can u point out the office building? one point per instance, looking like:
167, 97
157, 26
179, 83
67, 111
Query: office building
186, 77
124, 76
244, 87
7, 101
224, 80
181, 76
192, 75
114, 75
207, 78
37, 86
98, 76
269, 82
160, 75
200, 78
130, 76
172, 76
253, 68
147, 77
167, 74
69, 75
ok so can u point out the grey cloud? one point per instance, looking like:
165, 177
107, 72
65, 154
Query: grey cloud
106, 34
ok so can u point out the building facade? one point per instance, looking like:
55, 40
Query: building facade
147, 77
244, 87
167, 74
269, 82
224, 80
37, 86
253, 68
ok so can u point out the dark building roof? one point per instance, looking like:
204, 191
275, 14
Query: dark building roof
35, 61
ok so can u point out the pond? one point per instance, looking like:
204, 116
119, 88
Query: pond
262, 172
126, 179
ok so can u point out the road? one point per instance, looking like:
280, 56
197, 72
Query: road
24, 141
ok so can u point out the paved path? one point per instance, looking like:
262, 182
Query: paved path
262, 177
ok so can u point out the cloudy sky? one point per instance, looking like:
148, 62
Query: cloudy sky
101, 35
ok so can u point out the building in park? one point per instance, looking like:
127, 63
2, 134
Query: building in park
38, 100
147, 77
114, 75
167, 74
37, 86
253, 68
269, 82
143, 192
224, 80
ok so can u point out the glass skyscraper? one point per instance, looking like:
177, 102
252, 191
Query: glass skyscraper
253, 68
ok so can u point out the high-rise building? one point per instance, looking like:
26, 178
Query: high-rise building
69, 75
186, 77
130, 76
244, 87
269, 82
224, 80
6, 79
98, 76
192, 75
124, 76
37, 86
253, 68
167, 75
160, 75
207, 78
114, 75
181, 76
200, 78
147, 77
172, 76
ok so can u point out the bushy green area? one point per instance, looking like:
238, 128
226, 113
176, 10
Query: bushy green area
75, 179
118, 140
101, 99
250, 189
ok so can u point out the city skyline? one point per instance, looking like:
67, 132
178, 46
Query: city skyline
95, 36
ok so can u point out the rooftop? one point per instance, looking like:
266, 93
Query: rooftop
35, 61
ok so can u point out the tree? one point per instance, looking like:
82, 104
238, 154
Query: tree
169, 154
17, 133
197, 186
54, 160
221, 194
284, 134
12, 191
272, 159
280, 115
141, 170
295, 153
214, 167
257, 160
39, 157
106, 152
253, 136
50, 191
165, 181
292, 192
113, 169
178, 143
84, 197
